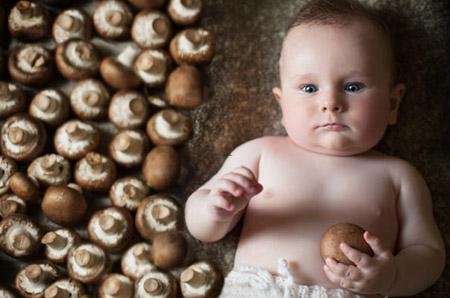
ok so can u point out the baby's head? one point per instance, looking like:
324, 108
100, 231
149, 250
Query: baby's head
338, 76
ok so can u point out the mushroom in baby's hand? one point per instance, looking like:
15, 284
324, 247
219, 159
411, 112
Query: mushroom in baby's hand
151, 29
77, 59
12, 99
65, 288
11, 204
28, 20
128, 147
23, 137
152, 66
156, 284
74, 139
116, 285
51, 106
161, 167
64, 205
7, 168
30, 64
157, 214
95, 172
128, 109
32, 280
118, 73
146, 4
194, 46
50, 169
88, 263
19, 235
72, 23
169, 250
6, 293
111, 228
184, 87
89, 99
169, 127
112, 19
128, 192
185, 12
201, 280
58, 243
24, 186
137, 261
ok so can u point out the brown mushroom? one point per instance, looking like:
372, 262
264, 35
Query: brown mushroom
88, 263
118, 73
51, 106
6, 293
19, 235
152, 66
151, 29
28, 20
128, 147
111, 228
95, 172
74, 139
32, 280
128, 192
30, 64
58, 243
137, 261
65, 288
156, 284
161, 167
169, 127
146, 4
72, 23
157, 101
77, 59
128, 109
184, 87
185, 12
7, 168
64, 205
112, 19
23, 137
157, 214
89, 99
169, 250
12, 99
200, 280
24, 186
11, 204
50, 169
116, 285
195, 46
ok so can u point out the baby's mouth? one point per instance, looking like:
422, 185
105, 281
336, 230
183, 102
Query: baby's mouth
333, 126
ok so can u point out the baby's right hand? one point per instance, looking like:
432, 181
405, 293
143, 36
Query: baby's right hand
232, 192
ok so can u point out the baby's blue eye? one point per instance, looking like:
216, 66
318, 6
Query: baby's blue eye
354, 87
309, 88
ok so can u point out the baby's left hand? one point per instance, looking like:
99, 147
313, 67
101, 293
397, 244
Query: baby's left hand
371, 275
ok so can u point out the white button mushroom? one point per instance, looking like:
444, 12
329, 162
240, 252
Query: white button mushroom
89, 99
51, 106
195, 46
28, 20
151, 29
72, 23
128, 147
137, 260
169, 127
152, 66
128, 192
65, 288
128, 109
112, 19
58, 243
11, 204
185, 12
12, 99
88, 263
19, 235
34, 279
156, 284
201, 280
95, 172
50, 169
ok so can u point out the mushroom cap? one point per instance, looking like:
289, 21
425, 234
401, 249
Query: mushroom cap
50, 169
95, 172
7, 168
24, 187
23, 137
89, 99
157, 214
77, 59
112, 19
88, 263
128, 147
193, 46
185, 12
137, 260
116, 285
118, 75
51, 106
19, 235
32, 280
12, 99
30, 64
11, 204
72, 23
111, 228
151, 29
128, 109
152, 66
161, 167
169, 250
169, 127
156, 284
58, 243
28, 20
128, 192
65, 288
64, 205
184, 87
201, 279
147, 4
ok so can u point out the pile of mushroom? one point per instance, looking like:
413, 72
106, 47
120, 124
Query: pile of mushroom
99, 94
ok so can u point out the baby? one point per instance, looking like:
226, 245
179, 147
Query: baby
338, 93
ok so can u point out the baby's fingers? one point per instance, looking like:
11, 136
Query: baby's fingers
227, 185
377, 246
360, 259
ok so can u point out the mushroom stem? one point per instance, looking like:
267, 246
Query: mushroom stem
5, 94
34, 273
92, 98
136, 106
25, 9
21, 241
83, 52
54, 240
17, 135
150, 64
195, 38
45, 103
35, 59
75, 131
95, 162
161, 213
126, 57
114, 18
85, 258
189, 3
124, 143
160, 26
153, 286
69, 23
193, 277
49, 164
170, 117
108, 223
132, 191
141, 253
114, 287
56, 292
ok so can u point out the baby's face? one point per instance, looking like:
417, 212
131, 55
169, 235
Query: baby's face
336, 93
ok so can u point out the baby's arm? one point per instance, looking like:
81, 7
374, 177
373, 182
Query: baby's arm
216, 207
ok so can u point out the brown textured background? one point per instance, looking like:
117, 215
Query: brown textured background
240, 106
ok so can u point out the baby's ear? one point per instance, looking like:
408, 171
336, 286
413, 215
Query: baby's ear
277, 93
397, 93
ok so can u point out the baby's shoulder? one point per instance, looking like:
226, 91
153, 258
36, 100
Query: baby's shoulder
257, 146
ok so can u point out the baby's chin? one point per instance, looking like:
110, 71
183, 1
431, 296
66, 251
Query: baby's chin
336, 147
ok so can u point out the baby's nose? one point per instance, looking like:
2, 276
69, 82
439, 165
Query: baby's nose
332, 104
